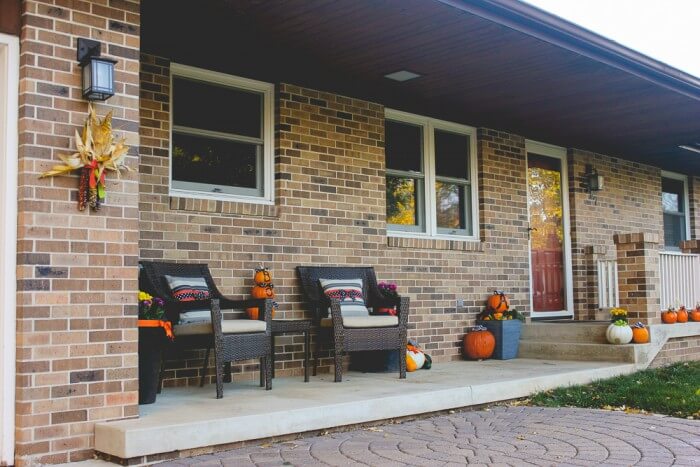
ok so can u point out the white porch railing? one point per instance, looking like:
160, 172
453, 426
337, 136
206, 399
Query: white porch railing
680, 279
608, 292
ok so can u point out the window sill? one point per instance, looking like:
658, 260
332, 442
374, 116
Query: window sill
434, 243
223, 207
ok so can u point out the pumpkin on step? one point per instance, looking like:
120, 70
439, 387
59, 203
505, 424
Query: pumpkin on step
498, 302
415, 358
682, 315
479, 343
640, 333
695, 314
669, 316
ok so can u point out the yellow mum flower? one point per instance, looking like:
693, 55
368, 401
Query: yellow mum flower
144, 296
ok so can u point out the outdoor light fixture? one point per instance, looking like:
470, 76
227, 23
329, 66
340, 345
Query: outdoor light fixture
98, 72
591, 180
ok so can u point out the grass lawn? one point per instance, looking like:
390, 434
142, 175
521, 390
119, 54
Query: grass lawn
672, 390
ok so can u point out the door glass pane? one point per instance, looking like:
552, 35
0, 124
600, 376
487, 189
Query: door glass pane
215, 162
450, 205
212, 107
404, 146
547, 237
451, 155
402, 201
674, 230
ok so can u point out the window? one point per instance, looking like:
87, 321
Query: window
222, 136
430, 190
674, 195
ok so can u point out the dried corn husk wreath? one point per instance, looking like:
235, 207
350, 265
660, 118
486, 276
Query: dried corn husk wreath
97, 152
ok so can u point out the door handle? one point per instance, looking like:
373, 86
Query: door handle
530, 230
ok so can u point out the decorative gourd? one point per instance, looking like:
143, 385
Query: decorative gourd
260, 291
619, 332
669, 316
253, 313
682, 315
695, 315
262, 275
498, 302
415, 358
640, 333
479, 343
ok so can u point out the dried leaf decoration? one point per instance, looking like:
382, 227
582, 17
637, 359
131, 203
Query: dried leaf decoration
98, 152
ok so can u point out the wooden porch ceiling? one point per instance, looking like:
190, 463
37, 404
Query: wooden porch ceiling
492, 63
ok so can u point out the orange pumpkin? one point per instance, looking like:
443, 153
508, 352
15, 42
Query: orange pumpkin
479, 344
682, 315
262, 276
695, 315
669, 316
640, 335
498, 302
253, 313
260, 291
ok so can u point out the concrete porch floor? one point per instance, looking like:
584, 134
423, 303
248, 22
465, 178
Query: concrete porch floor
190, 418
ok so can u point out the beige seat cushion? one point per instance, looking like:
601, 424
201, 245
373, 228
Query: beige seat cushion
228, 326
364, 322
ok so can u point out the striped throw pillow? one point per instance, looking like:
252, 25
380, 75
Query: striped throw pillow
188, 289
349, 292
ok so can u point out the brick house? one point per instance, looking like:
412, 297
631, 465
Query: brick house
446, 143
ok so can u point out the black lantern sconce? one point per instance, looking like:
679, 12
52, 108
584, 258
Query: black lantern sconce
98, 72
592, 182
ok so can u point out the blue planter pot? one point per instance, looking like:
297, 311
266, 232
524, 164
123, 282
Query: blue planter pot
507, 334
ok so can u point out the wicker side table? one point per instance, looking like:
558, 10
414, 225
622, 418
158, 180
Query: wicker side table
296, 326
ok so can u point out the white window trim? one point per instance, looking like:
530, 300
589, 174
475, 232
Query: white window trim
430, 214
9, 67
268, 134
686, 199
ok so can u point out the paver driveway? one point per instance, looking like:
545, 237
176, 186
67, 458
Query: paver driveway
499, 436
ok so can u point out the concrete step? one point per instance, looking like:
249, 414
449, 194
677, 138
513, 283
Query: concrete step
591, 352
581, 332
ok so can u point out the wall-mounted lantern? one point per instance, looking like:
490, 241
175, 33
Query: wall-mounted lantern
98, 72
592, 182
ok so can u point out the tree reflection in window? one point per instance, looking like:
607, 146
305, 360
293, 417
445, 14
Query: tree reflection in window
401, 201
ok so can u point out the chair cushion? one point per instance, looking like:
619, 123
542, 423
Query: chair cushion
364, 321
195, 316
228, 326
188, 289
349, 292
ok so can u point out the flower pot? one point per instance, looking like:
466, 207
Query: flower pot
507, 334
619, 334
151, 343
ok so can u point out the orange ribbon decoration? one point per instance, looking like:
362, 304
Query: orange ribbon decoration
156, 323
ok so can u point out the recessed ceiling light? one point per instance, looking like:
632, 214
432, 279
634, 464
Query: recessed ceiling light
403, 75
694, 148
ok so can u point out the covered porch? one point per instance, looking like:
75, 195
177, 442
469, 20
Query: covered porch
188, 421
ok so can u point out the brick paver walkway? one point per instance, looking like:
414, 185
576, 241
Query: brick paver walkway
500, 436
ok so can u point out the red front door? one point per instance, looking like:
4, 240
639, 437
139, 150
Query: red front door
546, 233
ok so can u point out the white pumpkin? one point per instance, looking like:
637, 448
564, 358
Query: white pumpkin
418, 357
619, 334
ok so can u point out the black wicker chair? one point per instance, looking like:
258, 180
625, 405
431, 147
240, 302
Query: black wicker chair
232, 341
350, 339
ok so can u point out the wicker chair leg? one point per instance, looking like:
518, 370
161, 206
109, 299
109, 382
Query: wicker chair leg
338, 360
402, 364
227, 372
268, 373
219, 375
205, 367
262, 366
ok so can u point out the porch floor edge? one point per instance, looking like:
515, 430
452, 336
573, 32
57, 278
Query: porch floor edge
190, 418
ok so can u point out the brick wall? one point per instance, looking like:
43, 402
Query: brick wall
330, 209
76, 324
678, 349
629, 203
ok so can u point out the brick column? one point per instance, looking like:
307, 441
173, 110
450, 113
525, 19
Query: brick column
76, 271
638, 276
690, 246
